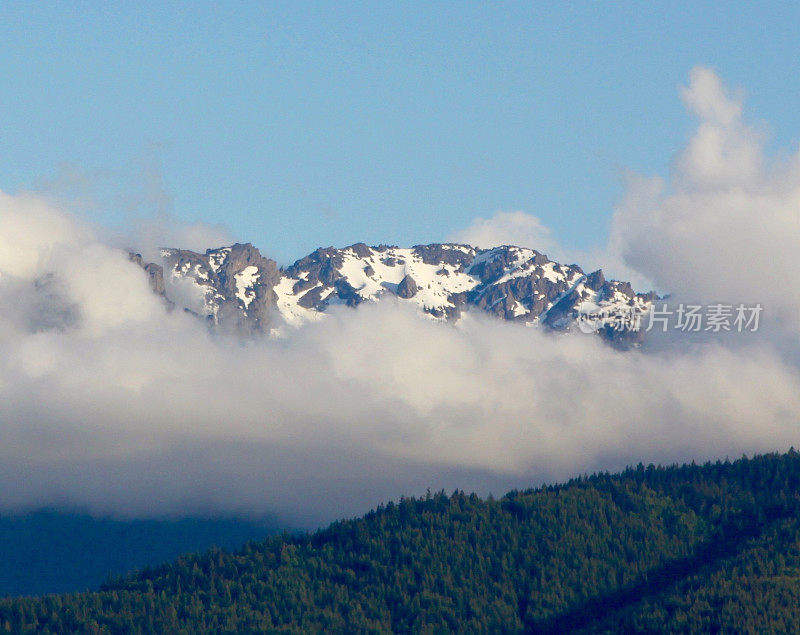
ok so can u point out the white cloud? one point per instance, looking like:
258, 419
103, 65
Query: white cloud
110, 402
526, 230
30, 229
507, 228
708, 97
726, 225
149, 234
157, 416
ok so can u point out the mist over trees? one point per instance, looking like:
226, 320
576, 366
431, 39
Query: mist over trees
678, 549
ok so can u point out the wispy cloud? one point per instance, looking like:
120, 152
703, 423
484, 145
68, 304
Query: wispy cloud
112, 403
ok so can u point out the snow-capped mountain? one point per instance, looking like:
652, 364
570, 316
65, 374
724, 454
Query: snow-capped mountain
237, 286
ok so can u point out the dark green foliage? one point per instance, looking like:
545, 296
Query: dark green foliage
681, 549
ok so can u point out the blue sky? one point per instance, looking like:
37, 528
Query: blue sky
309, 124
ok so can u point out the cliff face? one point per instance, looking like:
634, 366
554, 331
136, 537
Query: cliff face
237, 287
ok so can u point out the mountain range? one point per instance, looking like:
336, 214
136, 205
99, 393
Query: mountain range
237, 287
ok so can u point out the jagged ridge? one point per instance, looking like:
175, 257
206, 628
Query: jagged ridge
238, 286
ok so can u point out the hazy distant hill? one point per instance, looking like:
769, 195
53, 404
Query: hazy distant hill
680, 549
51, 551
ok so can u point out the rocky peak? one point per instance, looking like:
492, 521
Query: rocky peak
596, 280
234, 284
155, 273
239, 286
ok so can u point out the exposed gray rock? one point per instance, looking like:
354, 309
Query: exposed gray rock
407, 288
596, 280
312, 299
155, 273
222, 274
444, 255
239, 284
345, 291
361, 250
560, 314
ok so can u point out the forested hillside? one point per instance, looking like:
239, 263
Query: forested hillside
675, 549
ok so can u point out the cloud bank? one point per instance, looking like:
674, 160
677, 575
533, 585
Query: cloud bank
726, 226
508, 228
110, 403
527, 230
